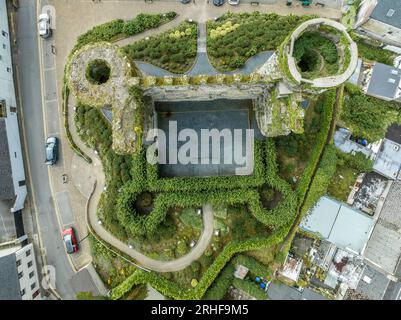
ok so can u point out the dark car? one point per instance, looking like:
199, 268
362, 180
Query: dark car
218, 3
70, 241
51, 151
185, 1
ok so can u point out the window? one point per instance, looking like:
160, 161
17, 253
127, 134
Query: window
31, 275
35, 294
8, 69
28, 253
5, 34
33, 285
4, 46
22, 292
3, 109
13, 109
18, 263
21, 184
20, 275
30, 264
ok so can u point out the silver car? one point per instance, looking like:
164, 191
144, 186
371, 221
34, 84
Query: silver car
44, 25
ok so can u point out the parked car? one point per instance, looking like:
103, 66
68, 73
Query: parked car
70, 241
218, 3
185, 1
51, 151
233, 2
44, 26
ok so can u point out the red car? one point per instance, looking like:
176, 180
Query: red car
70, 240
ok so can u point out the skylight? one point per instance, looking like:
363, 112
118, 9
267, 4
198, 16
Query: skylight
390, 12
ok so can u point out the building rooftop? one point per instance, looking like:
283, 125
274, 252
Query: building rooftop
284, 292
388, 160
292, 268
370, 192
343, 142
9, 284
389, 12
385, 81
343, 226
384, 246
6, 180
346, 267
372, 284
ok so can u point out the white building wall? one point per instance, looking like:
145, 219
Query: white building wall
7, 93
28, 273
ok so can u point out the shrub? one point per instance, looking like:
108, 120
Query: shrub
119, 28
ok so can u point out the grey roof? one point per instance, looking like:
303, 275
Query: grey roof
9, 284
343, 142
6, 180
384, 81
382, 9
384, 246
340, 224
284, 292
373, 284
388, 160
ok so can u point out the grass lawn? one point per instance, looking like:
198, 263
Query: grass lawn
190, 218
342, 182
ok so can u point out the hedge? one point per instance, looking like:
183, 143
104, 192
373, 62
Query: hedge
73, 145
182, 194
193, 184
220, 286
253, 265
251, 288
172, 290
322, 178
321, 139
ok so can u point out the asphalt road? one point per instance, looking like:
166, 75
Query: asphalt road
28, 65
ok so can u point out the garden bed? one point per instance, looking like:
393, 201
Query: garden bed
174, 50
234, 38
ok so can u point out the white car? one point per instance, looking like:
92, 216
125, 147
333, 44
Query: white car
44, 25
233, 2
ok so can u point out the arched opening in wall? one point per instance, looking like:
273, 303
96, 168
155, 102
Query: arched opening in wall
98, 72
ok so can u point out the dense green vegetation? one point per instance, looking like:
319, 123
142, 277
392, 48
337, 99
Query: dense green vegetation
173, 50
316, 55
119, 28
96, 132
253, 33
348, 168
366, 116
372, 52
294, 150
139, 205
